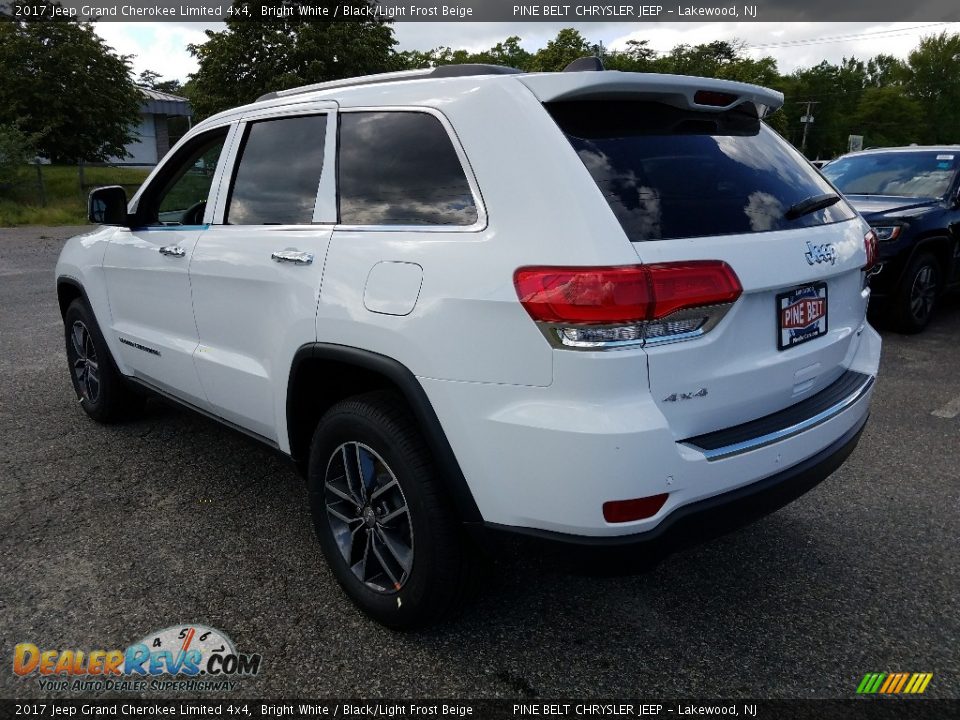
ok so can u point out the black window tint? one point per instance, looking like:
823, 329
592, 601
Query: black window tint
279, 171
400, 168
672, 173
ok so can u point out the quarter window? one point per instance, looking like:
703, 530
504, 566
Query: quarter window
400, 168
278, 174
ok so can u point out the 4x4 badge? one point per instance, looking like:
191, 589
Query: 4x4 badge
702, 392
820, 253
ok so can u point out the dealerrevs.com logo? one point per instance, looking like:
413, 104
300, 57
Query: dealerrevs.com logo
179, 658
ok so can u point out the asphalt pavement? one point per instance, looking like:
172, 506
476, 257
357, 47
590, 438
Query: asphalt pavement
108, 533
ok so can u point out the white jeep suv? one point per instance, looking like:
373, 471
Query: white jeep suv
599, 309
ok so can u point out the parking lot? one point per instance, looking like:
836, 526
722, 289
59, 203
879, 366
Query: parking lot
109, 533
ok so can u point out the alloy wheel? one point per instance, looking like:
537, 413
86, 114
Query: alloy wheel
369, 517
923, 293
86, 369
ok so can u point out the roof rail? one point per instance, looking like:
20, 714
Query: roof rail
442, 71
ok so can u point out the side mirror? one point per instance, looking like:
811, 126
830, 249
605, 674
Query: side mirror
107, 206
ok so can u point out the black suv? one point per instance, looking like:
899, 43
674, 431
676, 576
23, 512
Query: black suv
911, 197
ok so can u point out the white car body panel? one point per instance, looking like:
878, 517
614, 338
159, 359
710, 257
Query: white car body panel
151, 306
252, 314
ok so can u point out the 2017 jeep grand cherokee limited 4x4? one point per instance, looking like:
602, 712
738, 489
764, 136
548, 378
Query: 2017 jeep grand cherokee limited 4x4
599, 308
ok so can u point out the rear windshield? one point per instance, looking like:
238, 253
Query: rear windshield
905, 174
672, 173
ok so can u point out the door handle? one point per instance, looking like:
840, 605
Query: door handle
292, 256
173, 251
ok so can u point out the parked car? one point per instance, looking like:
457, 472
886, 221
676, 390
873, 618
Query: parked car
911, 197
596, 309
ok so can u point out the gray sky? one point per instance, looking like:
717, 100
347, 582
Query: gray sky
162, 46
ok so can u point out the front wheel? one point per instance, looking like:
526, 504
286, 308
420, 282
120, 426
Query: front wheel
917, 296
386, 527
100, 388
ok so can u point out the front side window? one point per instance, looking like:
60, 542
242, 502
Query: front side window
278, 174
178, 196
915, 173
669, 173
400, 168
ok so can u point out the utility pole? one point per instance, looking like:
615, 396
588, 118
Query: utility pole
807, 120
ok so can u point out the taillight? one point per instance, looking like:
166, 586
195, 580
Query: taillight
595, 307
870, 244
677, 286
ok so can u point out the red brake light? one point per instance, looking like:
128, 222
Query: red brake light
634, 293
713, 98
677, 286
870, 243
584, 295
620, 511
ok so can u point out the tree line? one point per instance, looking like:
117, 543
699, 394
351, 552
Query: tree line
65, 95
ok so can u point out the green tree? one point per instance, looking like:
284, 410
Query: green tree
883, 70
61, 82
16, 150
887, 116
151, 79
933, 79
248, 59
508, 53
566, 47
441, 55
835, 92
637, 56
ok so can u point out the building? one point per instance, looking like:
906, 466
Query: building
153, 134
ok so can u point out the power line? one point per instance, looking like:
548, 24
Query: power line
892, 32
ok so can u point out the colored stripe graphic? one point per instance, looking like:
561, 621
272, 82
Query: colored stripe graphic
890, 682
894, 683
901, 682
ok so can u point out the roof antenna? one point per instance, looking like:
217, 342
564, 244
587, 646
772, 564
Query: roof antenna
585, 64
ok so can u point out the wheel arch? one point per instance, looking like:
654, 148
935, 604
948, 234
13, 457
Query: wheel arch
322, 374
937, 243
68, 290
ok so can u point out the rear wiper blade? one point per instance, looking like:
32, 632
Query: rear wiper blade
811, 204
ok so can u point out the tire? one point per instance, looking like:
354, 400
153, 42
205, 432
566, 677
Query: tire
916, 297
102, 391
407, 568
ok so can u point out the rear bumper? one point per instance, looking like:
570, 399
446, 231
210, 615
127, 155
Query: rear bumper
698, 521
548, 458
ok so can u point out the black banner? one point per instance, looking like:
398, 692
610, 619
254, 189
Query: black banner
649, 11
859, 709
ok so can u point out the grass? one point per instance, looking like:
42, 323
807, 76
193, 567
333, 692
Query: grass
66, 203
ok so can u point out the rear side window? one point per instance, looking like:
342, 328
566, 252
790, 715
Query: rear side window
278, 175
672, 173
400, 168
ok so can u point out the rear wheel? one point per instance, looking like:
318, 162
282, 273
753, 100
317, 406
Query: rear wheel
917, 296
101, 389
386, 527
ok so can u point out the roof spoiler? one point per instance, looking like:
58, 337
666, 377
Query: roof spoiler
685, 92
